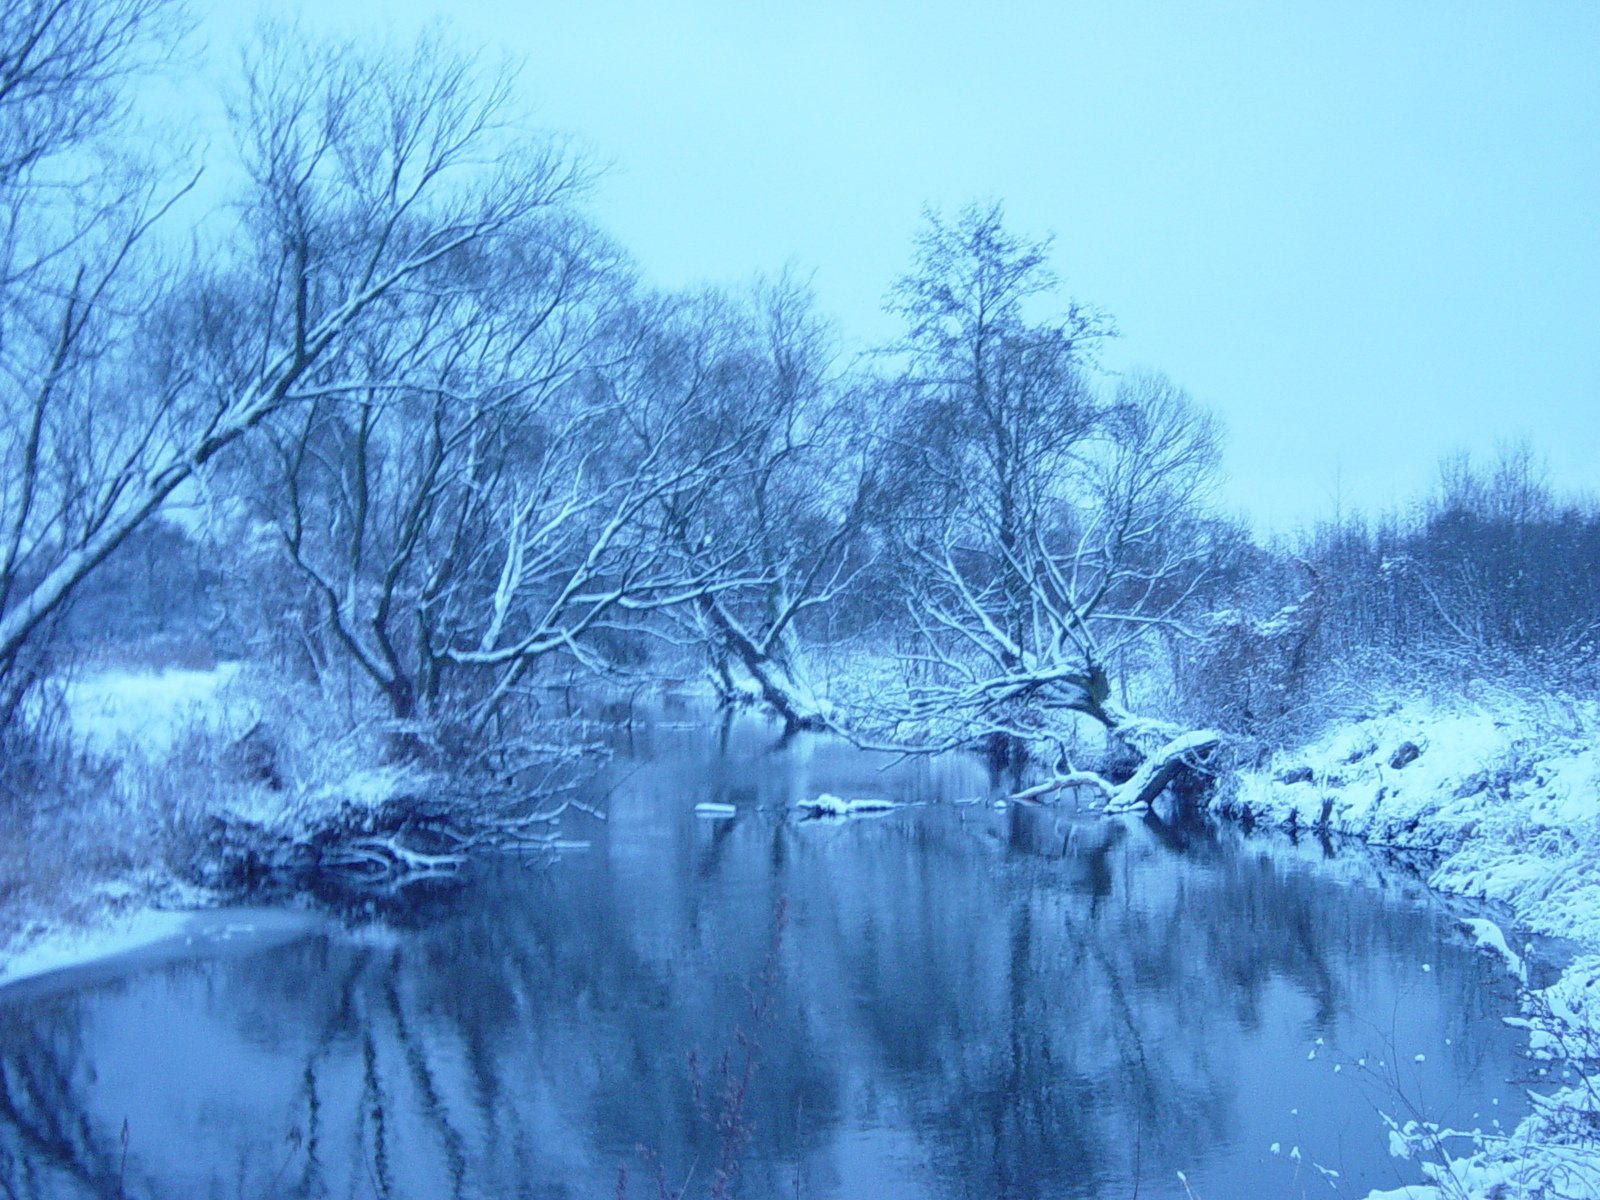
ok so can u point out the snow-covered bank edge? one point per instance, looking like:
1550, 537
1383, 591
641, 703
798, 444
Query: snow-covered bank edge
149, 935
1506, 802
178, 791
64, 947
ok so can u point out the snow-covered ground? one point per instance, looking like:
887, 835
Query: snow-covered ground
144, 716
74, 913
119, 711
168, 736
1508, 799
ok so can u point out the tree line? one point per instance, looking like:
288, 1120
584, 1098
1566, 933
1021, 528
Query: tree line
400, 413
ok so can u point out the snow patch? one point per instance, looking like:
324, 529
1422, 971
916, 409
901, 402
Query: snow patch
828, 805
117, 710
59, 949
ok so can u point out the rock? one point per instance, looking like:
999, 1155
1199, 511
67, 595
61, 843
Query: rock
1295, 775
1406, 754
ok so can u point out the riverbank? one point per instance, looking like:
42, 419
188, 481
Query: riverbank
163, 789
1503, 800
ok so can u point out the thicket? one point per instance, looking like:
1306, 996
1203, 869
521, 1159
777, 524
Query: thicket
1487, 585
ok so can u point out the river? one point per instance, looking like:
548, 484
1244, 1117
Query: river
953, 999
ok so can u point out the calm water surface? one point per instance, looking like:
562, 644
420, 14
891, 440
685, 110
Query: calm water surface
963, 1002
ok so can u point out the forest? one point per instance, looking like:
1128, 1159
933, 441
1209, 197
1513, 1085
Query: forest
367, 409
394, 421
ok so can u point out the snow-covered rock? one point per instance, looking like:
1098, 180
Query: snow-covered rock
1491, 937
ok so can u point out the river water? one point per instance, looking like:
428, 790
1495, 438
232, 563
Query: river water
951, 1000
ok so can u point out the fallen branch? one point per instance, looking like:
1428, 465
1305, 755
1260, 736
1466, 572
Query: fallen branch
1067, 779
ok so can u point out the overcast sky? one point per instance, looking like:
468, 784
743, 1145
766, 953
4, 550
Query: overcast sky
1366, 233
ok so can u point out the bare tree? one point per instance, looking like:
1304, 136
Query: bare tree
500, 500
76, 207
787, 514
995, 404
581, 550
1054, 535
370, 174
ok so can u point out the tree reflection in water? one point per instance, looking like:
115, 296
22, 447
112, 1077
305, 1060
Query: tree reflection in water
968, 1002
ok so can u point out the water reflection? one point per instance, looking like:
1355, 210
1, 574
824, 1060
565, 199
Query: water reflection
966, 1002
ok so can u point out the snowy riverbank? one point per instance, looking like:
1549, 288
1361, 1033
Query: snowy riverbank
175, 790
180, 789
1506, 802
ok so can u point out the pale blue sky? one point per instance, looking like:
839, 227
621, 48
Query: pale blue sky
1367, 233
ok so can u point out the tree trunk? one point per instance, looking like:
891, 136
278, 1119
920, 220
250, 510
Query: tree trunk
405, 744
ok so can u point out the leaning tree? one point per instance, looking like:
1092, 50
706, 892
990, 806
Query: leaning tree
1050, 535
783, 523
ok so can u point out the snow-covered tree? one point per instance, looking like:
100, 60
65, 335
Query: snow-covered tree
785, 518
78, 469
1051, 533
369, 173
